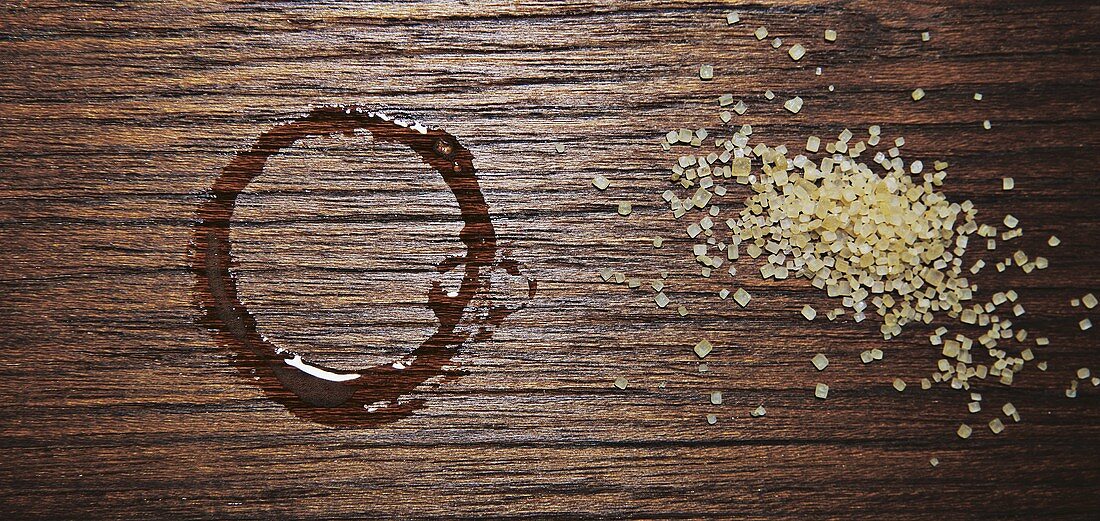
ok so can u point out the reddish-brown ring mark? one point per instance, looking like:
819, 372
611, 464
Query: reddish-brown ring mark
373, 395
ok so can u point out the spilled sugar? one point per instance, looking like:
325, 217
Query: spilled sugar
871, 236
861, 224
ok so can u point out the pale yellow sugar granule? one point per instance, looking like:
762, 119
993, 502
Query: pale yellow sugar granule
820, 361
813, 144
1089, 300
742, 297
830, 35
964, 431
661, 299
793, 105
809, 312
620, 382
797, 51
821, 391
703, 348
600, 182
706, 72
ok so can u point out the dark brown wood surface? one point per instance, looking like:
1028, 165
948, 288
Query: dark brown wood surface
115, 402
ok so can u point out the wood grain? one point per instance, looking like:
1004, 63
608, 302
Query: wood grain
116, 403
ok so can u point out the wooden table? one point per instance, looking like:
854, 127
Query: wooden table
117, 402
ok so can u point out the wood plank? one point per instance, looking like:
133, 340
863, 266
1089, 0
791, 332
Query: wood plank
116, 119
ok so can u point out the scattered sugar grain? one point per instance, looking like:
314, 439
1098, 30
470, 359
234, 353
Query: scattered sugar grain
703, 348
1089, 300
797, 51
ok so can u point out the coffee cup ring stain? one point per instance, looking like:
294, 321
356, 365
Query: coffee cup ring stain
370, 396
